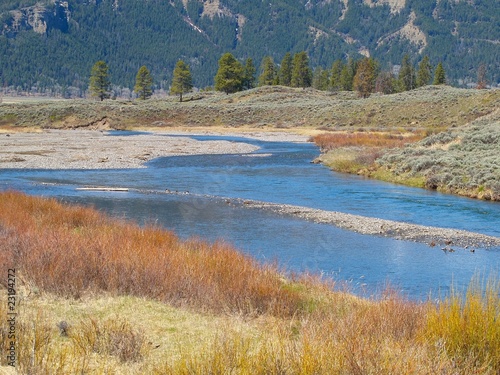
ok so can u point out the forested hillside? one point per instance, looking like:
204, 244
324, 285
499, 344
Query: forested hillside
51, 45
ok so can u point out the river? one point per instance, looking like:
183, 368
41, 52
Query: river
281, 172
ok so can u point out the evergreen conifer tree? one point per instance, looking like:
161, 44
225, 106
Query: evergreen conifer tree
268, 72
321, 79
301, 72
366, 74
335, 75
229, 77
100, 85
285, 71
424, 73
182, 80
406, 77
347, 75
249, 74
143, 83
439, 75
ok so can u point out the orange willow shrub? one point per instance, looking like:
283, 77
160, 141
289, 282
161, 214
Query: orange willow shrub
72, 250
329, 141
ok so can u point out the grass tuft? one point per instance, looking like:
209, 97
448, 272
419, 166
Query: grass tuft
115, 337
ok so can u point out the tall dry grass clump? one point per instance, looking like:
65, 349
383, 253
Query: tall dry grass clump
357, 152
115, 337
364, 338
467, 329
73, 250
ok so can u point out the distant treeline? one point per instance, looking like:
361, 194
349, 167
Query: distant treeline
72, 35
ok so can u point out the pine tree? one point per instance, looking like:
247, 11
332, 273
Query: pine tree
439, 75
406, 77
482, 82
335, 75
424, 73
285, 71
347, 75
321, 79
182, 80
100, 85
249, 74
366, 74
301, 72
143, 83
268, 72
229, 77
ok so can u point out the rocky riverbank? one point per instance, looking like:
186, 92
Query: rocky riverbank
84, 149
433, 236
447, 239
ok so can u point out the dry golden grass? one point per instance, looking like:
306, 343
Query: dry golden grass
221, 312
467, 328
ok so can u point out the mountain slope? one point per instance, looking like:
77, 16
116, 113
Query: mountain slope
53, 42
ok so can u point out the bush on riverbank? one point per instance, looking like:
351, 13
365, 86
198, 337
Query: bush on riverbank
97, 295
73, 251
463, 161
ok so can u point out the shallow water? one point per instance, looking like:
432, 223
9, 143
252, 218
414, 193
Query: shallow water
282, 173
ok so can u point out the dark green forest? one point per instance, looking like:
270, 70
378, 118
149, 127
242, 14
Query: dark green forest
50, 45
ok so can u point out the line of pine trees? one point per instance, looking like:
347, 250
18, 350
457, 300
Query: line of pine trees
100, 84
363, 76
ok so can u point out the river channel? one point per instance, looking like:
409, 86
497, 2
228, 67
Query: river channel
282, 172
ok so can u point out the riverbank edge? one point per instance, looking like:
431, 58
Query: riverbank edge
383, 174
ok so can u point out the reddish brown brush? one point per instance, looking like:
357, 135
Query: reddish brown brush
72, 250
329, 141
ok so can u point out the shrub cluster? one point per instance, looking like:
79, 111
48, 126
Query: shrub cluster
330, 141
462, 160
70, 251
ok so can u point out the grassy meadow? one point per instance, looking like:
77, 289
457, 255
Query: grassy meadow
96, 295
430, 109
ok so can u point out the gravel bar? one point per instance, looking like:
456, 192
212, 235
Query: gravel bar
448, 239
433, 236
87, 149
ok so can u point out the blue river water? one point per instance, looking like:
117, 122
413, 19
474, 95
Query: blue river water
282, 172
